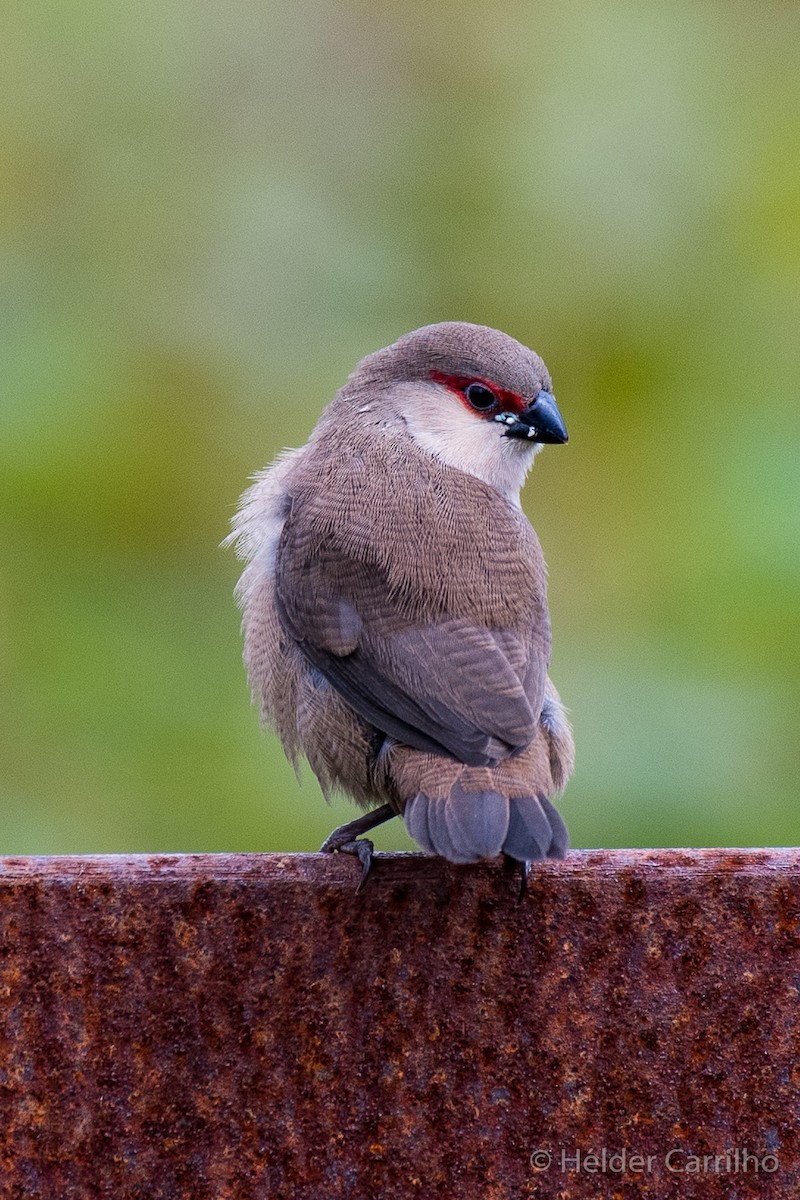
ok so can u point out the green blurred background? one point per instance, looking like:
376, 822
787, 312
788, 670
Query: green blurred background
213, 210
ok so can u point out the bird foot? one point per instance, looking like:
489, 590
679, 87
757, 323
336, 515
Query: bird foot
524, 868
345, 839
362, 848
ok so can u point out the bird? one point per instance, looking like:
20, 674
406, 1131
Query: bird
394, 599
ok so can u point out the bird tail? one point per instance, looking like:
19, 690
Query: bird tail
465, 826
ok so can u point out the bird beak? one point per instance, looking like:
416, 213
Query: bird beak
539, 422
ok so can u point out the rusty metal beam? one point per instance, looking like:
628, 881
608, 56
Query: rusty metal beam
206, 1027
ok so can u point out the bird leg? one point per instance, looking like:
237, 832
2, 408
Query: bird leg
346, 839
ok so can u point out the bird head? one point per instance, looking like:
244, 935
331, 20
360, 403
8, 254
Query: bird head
473, 397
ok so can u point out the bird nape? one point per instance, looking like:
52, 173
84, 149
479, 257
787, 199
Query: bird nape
396, 629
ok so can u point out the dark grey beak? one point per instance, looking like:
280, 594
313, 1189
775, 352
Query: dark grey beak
540, 422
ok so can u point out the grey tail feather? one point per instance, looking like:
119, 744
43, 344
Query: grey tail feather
468, 826
535, 830
462, 826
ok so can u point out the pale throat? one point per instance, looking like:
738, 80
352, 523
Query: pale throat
442, 426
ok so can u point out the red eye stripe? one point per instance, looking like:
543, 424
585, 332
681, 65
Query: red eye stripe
507, 401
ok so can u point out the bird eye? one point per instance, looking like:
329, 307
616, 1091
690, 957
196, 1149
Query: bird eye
480, 396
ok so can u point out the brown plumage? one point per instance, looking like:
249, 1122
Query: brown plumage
395, 607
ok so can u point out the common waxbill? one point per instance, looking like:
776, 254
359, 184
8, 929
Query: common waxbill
396, 629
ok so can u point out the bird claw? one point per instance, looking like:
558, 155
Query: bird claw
524, 867
345, 839
362, 848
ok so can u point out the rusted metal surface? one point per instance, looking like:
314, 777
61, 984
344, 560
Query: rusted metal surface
207, 1027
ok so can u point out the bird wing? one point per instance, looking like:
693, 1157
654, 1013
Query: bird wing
444, 685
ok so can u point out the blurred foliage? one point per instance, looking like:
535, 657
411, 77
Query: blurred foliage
212, 211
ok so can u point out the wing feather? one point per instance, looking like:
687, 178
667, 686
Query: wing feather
446, 685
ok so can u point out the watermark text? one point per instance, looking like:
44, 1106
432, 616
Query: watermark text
739, 1160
